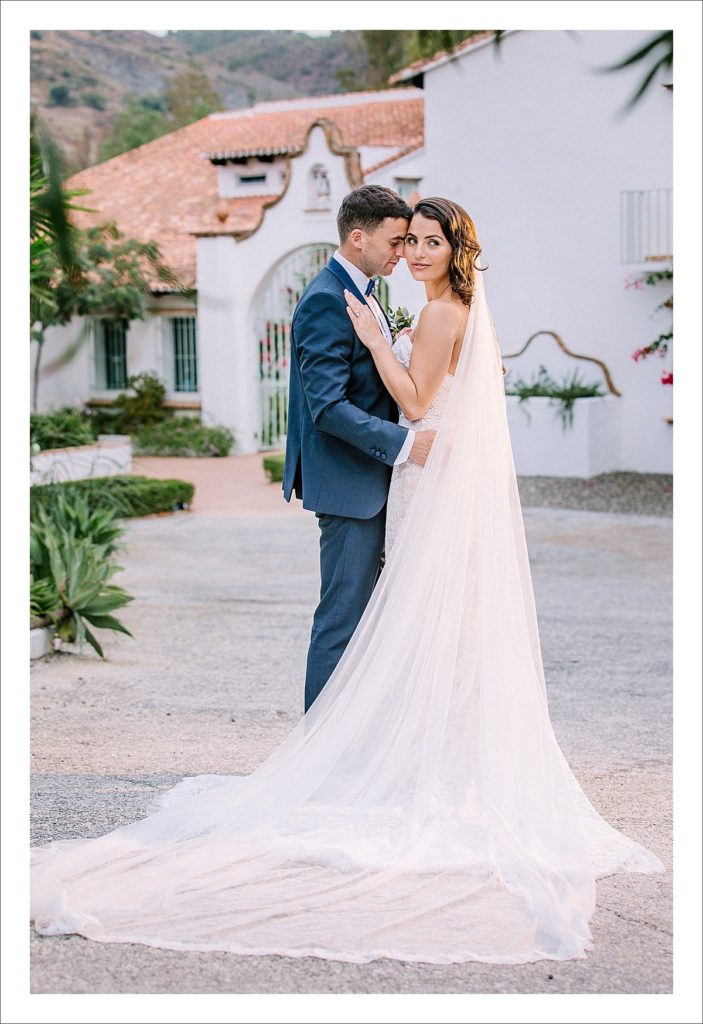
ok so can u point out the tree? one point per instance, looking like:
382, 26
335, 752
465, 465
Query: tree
80, 272
141, 121
190, 96
383, 52
50, 230
145, 118
658, 52
424, 43
380, 51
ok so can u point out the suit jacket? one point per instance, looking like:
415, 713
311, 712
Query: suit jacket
343, 435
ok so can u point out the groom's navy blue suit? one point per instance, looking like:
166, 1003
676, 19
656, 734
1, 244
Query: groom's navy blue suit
343, 438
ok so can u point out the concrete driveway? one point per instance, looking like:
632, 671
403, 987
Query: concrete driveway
213, 679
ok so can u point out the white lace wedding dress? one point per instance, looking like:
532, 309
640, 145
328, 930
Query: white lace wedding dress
422, 809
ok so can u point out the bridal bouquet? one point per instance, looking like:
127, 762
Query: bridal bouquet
400, 320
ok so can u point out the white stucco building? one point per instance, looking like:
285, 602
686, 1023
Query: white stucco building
243, 205
568, 199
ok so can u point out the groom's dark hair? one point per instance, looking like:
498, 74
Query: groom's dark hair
367, 207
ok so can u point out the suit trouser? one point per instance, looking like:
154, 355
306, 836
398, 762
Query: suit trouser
350, 563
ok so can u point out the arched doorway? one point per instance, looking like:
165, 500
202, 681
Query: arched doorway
272, 325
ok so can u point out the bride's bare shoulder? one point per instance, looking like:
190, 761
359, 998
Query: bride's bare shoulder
440, 315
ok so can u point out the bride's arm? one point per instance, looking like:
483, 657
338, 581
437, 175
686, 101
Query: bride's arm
435, 333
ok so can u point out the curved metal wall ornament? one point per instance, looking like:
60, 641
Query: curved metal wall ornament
574, 355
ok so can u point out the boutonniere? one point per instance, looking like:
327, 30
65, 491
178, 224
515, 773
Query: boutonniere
399, 320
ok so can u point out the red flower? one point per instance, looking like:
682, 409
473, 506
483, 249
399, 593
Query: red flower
667, 377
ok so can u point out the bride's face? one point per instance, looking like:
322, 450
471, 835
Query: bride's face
427, 250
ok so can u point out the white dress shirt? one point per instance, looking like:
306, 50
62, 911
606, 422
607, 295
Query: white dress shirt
361, 281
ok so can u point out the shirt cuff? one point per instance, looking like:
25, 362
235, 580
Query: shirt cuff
405, 450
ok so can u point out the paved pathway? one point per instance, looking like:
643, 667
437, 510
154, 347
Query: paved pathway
235, 485
212, 681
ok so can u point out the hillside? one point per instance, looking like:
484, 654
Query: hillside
93, 71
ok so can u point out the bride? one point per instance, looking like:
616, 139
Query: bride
422, 808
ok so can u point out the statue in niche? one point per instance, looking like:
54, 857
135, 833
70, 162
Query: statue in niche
320, 188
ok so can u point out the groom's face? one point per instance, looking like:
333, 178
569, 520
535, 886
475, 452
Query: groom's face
382, 248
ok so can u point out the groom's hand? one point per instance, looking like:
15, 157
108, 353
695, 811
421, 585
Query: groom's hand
421, 446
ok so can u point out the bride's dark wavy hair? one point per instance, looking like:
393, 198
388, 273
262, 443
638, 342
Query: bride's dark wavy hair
460, 232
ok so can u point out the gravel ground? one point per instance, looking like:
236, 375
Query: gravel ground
212, 681
237, 486
648, 494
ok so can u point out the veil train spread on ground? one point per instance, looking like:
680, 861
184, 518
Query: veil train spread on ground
422, 809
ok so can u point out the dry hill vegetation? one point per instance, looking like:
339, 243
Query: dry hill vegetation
103, 92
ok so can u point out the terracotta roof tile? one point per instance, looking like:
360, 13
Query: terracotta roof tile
392, 159
166, 189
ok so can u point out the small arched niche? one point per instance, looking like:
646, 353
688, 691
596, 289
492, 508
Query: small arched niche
319, 187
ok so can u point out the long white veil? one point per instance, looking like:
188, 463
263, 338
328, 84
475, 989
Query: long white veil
422, 809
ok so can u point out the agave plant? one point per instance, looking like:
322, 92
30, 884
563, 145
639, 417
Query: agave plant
73, 515
80, 572
70, 549
45, 603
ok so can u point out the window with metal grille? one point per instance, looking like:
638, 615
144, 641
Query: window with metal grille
111, 354
185, 357
645, 225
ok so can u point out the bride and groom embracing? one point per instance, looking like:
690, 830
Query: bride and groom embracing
347, 388
422, 808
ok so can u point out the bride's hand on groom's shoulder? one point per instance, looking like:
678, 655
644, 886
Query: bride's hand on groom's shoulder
364, 322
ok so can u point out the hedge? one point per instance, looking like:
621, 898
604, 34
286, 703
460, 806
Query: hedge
129, 495
273, 465
181, 435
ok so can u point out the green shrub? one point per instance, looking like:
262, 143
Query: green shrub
60, 96
152, 102
102, 420
71, 548
96, 100
145, 405
182, 435
273, 465
60, 428
129, 496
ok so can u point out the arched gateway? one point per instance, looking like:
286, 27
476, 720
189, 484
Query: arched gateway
274, 309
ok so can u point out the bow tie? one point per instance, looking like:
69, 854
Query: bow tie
370, 287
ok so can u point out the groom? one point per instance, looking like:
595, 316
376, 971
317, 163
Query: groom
343, 433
